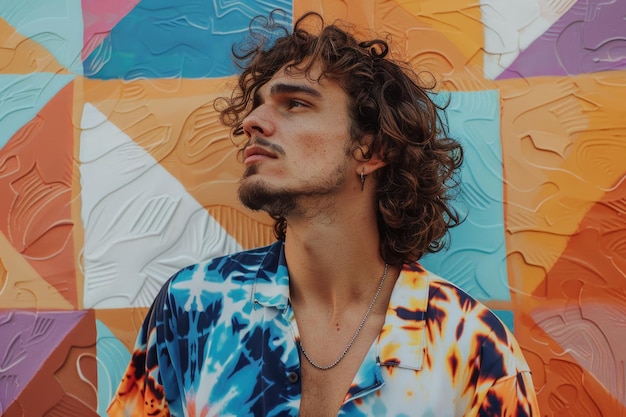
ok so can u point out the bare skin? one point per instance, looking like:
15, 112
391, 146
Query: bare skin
332, 239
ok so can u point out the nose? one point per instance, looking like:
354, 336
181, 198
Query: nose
258, 121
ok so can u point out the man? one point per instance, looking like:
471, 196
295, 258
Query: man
346, 151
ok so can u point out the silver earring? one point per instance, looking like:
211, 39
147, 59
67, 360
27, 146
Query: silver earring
363, 180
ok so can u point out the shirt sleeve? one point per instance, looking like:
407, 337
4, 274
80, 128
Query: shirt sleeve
511, 397
140, 392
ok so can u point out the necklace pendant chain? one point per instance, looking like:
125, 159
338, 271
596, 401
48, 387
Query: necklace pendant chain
354, 336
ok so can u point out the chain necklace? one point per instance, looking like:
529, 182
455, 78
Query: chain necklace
356, 334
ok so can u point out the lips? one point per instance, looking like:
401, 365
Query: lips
256, 153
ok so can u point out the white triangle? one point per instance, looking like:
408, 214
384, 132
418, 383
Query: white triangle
141, 225
512, 25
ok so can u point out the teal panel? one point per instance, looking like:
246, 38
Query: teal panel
57, 25
113, 357
476, 257
23, 96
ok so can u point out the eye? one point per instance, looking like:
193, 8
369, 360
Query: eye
293, 103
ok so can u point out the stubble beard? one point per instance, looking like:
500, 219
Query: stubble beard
257, 194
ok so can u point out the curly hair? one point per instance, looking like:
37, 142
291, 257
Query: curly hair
388, 101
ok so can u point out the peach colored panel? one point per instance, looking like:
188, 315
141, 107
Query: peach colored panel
124, 323
21, 55
445, 38
21, 287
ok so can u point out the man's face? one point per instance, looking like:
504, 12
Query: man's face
298, 144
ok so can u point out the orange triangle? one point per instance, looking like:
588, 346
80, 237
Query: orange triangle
21, 287
37, 194
20, 55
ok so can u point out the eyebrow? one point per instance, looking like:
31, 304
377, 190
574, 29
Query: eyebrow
282, 88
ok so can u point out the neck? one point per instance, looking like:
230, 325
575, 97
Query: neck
334, 261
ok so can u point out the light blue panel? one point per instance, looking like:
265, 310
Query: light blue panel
476, 257
55, 24
23, 96
168, 39
113, 357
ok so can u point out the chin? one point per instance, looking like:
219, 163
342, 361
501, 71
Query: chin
258, 195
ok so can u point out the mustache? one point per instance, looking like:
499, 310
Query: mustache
277, 149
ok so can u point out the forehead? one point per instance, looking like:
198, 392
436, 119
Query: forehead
300, 79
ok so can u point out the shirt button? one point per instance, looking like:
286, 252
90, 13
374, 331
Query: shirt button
292, 377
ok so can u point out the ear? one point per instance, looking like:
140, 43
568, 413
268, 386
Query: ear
370, 166
367, 162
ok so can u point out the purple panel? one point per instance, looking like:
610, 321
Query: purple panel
590, 37
26, 340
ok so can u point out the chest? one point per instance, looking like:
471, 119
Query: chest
255, 369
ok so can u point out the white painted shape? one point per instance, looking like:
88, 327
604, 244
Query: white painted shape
141, 225
512, 25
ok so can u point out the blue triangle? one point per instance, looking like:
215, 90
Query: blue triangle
170, 39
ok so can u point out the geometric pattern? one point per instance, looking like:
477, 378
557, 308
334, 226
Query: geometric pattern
173, 40
587, 37
115, 172
130, 202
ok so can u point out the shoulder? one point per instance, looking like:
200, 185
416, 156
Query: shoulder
449, 301
239, 265
231, 276
455, 315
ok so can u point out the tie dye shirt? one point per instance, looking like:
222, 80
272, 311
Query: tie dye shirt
221, 340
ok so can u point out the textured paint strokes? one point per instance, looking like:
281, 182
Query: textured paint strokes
98, 19
27, 340
581, 324
511, 26
54, 24
562, 152
590, 37
565, 164
36, 184
23, 96
22, 55
188, 140
21, 287
65, 384
141, 226
425, 34
117, 332
457, 20
476, 257
112, 359
158, 39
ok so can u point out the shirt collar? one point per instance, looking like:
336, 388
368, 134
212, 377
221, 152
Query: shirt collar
402, 341
271, 285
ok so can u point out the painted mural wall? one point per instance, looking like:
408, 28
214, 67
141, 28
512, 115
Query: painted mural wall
115, 173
